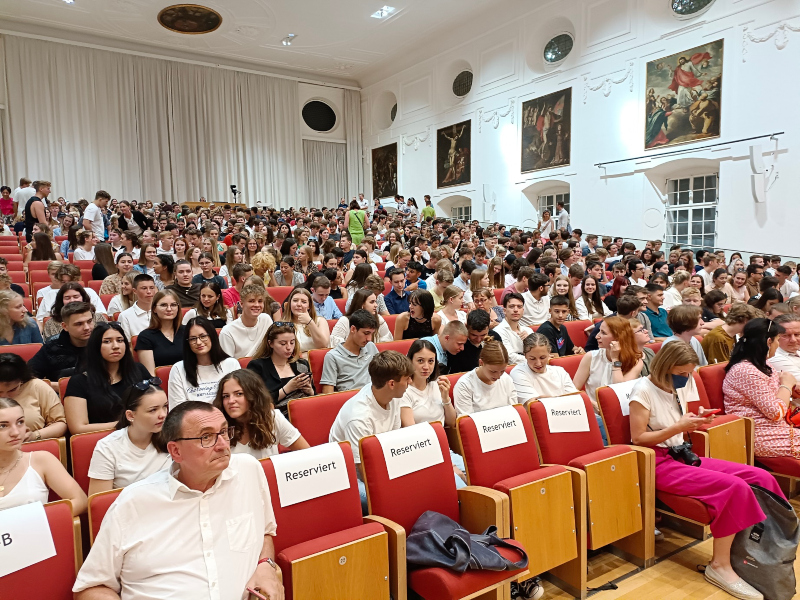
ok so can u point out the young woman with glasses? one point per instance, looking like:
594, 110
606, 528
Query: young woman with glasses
160, 344
204, 363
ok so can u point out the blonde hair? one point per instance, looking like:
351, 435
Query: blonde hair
475, 279
688, 292
6, 297
493, 352
451, 291
680, 277
674, 354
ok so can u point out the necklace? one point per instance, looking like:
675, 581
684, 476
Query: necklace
7, 472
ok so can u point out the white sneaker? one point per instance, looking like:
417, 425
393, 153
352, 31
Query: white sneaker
738, 589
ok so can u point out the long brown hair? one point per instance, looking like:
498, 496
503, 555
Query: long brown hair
629, 353
260, 417
155, 320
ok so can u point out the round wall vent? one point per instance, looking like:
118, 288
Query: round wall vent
462, 84
558, 48
685, 8
393, 114
190, 19
319, 116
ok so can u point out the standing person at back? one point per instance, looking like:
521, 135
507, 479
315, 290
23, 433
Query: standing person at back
21, 196
34, 208
356, 222
93, 215
563, 217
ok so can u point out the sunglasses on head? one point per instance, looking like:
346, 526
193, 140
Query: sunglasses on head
146, 383
288, 324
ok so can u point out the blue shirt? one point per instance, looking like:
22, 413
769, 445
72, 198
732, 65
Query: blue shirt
396, 304
658, 321
29, 334
328, 309
421, 285
441, 355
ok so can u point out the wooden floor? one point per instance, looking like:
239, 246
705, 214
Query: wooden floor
673, 578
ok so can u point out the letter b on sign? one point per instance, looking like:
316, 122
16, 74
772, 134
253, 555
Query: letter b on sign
6, 539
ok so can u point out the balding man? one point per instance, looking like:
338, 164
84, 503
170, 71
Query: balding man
201, 529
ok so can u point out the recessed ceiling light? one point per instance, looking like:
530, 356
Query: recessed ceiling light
383, 12
287, 41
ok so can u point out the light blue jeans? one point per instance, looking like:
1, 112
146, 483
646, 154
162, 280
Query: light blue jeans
602, 429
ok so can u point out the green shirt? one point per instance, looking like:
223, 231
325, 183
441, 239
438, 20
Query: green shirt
428, 211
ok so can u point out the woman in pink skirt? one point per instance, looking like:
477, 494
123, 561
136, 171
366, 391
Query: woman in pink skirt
659, 419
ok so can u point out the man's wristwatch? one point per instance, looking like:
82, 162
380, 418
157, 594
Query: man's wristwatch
269, 561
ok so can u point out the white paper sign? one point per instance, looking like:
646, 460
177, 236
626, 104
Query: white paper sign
410, 449
499, 428
25, 538
623, 391
306, 474
566, 414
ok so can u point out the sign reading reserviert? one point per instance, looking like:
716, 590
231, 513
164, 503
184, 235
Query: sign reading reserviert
566, 414
410, 449
499, 428
311, 473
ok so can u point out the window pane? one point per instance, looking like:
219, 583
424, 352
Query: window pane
683, 198
711, 181
711, 195
673, 185
709, 227
673, 199
710, 241
683, 184
697, 240
698, 183
710, 214
697, 214
697, 197
697, 227
682, 239
683, 216
683, 228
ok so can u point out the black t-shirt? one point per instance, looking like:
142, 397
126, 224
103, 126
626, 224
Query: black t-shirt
558, 338
466, 360
99, 272
164, 352
100, 408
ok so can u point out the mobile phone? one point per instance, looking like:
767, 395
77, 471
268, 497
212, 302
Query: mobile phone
257, 595
712, 411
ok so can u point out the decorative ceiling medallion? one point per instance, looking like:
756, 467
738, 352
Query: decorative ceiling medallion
190, 19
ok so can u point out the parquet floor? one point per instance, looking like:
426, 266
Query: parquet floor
673, 578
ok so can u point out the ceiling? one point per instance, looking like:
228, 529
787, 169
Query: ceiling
336, 40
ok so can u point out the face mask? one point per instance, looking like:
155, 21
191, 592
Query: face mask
679, 381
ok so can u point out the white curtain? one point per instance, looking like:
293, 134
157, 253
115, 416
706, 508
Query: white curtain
352, 123
144, 128
326, 172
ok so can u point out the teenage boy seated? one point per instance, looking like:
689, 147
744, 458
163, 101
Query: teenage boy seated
656, 314
397, 298
511, 332
414, 272
448, 342
344, 367
375, 408
537, 302
242, 337
136, 319
187, 291
477, 329
554, 330
520, 286
718, 343
62, 355
239, 274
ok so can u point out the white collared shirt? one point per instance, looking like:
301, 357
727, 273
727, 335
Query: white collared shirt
362, 416
48, 296
163, 541
783, 361
535, 312
134, 320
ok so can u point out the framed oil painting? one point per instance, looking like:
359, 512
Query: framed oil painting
683, 97
384, 171
546, 131
453, 159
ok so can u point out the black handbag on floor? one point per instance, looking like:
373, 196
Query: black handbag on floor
763, 555
438, 541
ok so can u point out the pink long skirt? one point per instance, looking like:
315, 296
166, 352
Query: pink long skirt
721, 485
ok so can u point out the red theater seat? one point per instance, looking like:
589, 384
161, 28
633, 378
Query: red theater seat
81, 448
315, 415
98, 507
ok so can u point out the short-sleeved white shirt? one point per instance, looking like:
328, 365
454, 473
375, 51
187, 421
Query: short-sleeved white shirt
663, 406
208, 376
95, 215
286, 434
555, 381
362, 416
471, 395
426, 404
118, 459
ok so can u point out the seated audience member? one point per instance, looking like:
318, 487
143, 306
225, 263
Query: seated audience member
714, 308
510, 331
656, 314
231, 295
69, 292
537, 301
343, 367
185, 289
420, 320
136, 449
618, 287
211, 306
685, 323
449, 342
61, 355
768, 298
374, 283
628, 308
197, 439
92, 401
554, 330
563, 287
63, 274
720, 283
258, 427
786, 357
362, 299
442, 279
147, 261
44, 413
536, 377
16, 326
642, 339
659, 422
4, 271
616, 360
752, 388
414, 272
484, 301
324, 305
718, 343
427, 398
376, 407
204, 363
137, 318
452, 303
589, 304
207, 275
160, 344
277, 361
312, 330
520, 286
338, 290
672, 295
488, 385
125, 299
243, 336
477, 330
397, 298
286, 275
29, 476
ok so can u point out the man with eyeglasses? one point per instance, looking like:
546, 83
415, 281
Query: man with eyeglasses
203, 527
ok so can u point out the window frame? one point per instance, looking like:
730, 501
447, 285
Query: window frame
681, 197
549, 201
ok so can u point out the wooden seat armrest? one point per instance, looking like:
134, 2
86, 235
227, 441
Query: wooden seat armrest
76, 531
397, 555
750, 439
482, 507
700, 445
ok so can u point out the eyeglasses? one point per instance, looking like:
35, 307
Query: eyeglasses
288, 324
209, 440
146, 383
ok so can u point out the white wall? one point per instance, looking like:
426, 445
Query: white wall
614, 39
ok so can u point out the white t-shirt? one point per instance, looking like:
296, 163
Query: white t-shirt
362, 416
555, 381
672, 297
471, 395
535, 312
116, 458
512, 342
286, 434
95, 215
21, 197
81, 254
239, 341
663, 406
426, 404
208, 377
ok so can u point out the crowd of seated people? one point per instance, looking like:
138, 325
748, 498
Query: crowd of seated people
235, 304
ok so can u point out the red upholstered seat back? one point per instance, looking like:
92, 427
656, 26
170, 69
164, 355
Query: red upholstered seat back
569, 363
316, 360
82, 446
401, 346
280, 293
576, 332
163, 374
315, 415
712, 377
52, 578
655, 346
486, 469
561, 448
98, 507
618, 426
24, 351
317, 517
50, 446
701, 392
453, 377
404, 499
